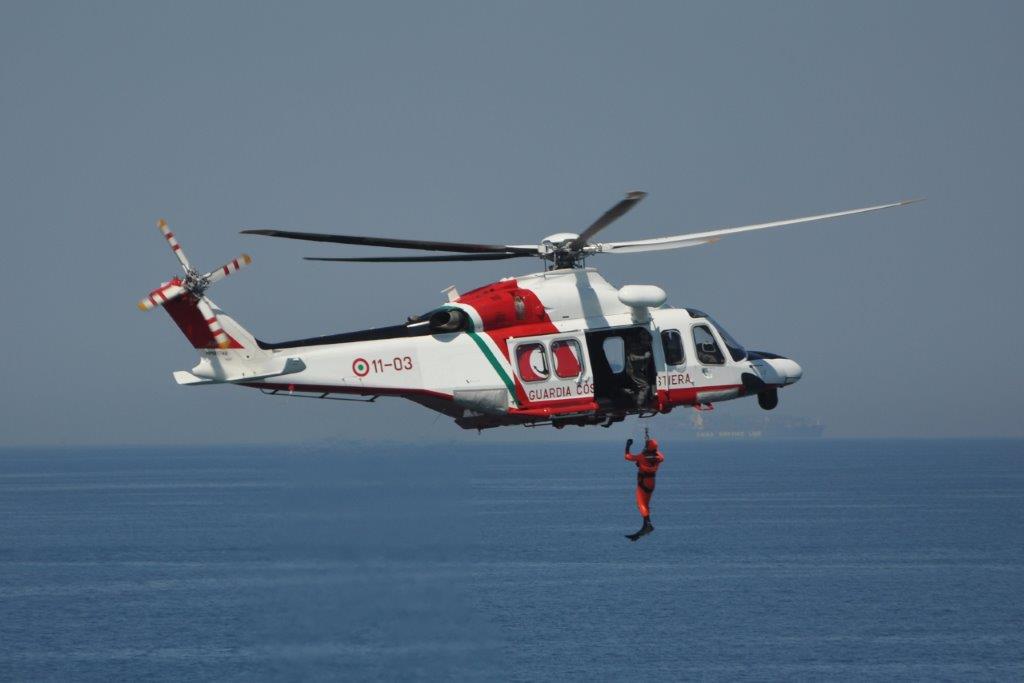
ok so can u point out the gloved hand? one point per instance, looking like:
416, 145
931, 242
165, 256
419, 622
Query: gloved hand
629, 442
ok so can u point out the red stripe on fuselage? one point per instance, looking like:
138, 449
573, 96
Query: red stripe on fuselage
552, 408
668, 398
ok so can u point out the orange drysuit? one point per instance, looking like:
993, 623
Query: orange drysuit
647, 463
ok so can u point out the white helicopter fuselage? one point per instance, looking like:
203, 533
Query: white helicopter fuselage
560, 347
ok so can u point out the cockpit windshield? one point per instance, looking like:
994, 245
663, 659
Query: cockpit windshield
736, 349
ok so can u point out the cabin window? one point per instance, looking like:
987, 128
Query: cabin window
532, 361
566, 357
672, 342
615, 353
708, 352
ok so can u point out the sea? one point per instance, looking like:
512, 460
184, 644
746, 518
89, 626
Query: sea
811, 559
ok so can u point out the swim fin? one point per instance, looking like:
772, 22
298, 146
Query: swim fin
644, 530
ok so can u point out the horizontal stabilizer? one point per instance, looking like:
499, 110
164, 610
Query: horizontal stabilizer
286, 367
186, 378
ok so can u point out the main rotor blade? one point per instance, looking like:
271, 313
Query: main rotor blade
607, 218
175, 247
423, 259
425, 245
694, 238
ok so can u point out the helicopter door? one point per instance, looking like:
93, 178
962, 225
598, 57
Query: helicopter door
622, 363
551, 367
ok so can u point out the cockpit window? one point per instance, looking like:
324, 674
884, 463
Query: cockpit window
708, 352
736, 349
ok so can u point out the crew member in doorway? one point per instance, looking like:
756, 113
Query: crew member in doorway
647, 463
639, 359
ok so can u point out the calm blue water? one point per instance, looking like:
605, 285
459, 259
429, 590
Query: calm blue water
775, 560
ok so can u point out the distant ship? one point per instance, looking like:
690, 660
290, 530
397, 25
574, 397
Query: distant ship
708, 425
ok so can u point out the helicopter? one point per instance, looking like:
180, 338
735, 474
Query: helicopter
558, 347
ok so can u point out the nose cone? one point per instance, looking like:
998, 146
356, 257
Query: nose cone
774, 369
789, 370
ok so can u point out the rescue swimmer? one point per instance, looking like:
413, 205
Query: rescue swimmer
647, 463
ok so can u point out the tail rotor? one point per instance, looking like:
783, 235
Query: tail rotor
223, 341
227, 269
194, 285
175, 247
162, 294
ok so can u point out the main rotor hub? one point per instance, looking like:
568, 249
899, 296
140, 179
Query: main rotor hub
558, 248
559, 239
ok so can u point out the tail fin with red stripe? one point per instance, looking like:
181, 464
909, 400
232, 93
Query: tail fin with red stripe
204, 325
202, 332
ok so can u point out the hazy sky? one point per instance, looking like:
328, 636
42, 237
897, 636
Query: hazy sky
504, 123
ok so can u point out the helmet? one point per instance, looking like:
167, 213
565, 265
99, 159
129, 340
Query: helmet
651, 445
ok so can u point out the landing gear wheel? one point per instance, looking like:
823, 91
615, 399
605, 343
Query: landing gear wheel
768, 399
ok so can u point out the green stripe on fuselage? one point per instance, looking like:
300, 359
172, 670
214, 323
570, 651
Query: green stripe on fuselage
492, 359
496, 365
